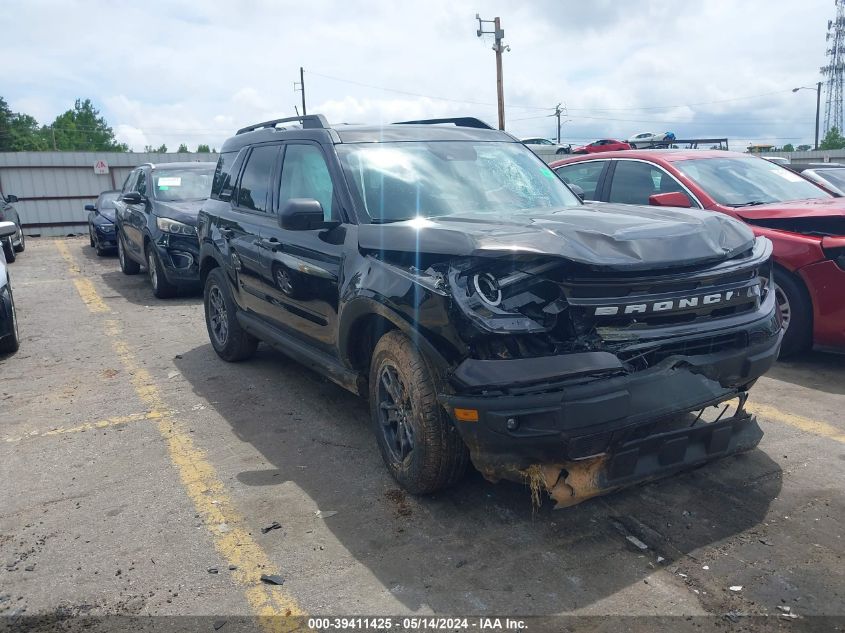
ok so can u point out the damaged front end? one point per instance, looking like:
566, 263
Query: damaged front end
579, 380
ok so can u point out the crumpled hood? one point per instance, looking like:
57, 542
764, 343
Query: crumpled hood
601, 235
821, 207
185, 212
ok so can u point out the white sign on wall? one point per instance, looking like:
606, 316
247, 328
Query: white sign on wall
101, 167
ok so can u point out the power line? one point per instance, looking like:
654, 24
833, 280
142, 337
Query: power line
424, 96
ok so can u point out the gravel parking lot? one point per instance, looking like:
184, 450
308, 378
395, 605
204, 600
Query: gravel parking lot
139, 471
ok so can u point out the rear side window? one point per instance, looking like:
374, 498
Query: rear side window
585, 175
254, 189
223, 172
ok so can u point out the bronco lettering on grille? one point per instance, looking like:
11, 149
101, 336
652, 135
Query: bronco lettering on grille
682, 303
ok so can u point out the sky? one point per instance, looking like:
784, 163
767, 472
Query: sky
194, 72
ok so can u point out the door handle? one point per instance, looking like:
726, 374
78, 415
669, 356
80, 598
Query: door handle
271, 244
227, 233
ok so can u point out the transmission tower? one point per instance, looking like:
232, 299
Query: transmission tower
834, 70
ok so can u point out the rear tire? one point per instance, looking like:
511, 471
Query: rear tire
419, 444
797, 312
231, 342
9, 250
127, 266
162, 288
12, 342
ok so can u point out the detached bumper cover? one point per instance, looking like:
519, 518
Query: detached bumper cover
179, 255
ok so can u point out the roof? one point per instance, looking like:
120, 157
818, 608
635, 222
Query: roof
655, 155
368, 134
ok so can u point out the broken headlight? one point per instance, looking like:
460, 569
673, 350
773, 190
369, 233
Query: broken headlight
508, 297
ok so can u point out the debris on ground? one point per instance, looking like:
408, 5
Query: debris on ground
325, 514
735, 588
212, 570
784, 609
273, 526
636, 542
272, 579
218, 624
232, 567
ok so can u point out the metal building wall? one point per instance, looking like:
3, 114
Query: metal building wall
54, 187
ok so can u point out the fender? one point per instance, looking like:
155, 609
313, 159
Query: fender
362, 306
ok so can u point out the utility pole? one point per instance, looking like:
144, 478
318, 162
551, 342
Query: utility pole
557, 114
53, 132
500, 48
818, 107
301, 88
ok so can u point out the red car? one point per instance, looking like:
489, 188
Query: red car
805, 223
603, 145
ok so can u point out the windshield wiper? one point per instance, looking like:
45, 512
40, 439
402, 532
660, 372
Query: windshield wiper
753, 203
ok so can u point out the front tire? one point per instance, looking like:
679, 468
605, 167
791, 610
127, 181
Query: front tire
93, 244
127, 266
419, 444
231, 342
796, 311
12, 342
9, 250
21, 247
162, 288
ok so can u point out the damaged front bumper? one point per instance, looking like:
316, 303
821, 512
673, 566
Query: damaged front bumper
579, 425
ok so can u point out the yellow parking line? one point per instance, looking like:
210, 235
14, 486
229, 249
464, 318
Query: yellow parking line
227, 527
89, 426
799, 422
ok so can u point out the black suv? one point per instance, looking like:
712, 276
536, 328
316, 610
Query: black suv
447, 274
156, 217
13, 244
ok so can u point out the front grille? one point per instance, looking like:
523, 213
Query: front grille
642, 358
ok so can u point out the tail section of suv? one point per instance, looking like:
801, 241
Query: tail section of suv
446, 274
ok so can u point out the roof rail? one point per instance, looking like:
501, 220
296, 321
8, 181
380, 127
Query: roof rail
309, 121
462, 121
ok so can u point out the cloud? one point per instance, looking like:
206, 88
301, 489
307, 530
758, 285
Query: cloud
200, 71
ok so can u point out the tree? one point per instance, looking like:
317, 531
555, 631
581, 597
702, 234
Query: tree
82, 129
832, 140
788, 148
203, 149
161, 149
19, 132
183, 149
804, 148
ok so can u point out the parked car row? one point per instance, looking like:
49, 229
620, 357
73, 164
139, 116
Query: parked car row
16, 242
805, 224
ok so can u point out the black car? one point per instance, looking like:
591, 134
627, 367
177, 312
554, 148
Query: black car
16, 243
156, 217
101, 228
447, 274
9, 337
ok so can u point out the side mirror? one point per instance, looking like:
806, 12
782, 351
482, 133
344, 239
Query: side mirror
11, 198
303, 214
7, 229
578, 191
670, 199
132, 197
90, 207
